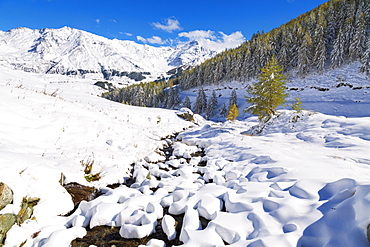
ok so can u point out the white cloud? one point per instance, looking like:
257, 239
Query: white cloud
152, 40
124, 33
215, 40
142, 39
170, 25
198, 35
209, 39
97, 21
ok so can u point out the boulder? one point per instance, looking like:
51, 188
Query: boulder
6, 222
186, 114
26, 210
6, 195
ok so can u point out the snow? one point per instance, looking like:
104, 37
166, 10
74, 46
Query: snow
302, 182
168, 225
66, 50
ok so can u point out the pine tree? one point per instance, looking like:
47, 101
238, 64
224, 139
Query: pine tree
357, 46
212, 105
233, 99
175, 97
200, 104
233, 112
223, 111
186, 103
337, 54
305, 55
348, 33
170, 98
320, 54
365, 59
269, 92
283, 52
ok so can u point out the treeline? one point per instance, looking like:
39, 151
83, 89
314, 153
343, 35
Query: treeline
164, 94
335, 33
149, 94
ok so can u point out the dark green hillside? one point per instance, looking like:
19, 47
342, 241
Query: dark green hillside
333, 34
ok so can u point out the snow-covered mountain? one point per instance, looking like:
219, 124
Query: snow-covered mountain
74, 52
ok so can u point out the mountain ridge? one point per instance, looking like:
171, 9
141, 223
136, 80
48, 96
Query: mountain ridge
75, 52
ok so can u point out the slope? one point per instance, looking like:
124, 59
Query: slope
289, 186
74, 52
333, 34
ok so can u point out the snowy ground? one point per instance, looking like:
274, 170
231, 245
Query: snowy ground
303, 183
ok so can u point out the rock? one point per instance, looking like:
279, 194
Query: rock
6, 222
169, 226
80, 192
156, 243
26, 210
186, 114
6, 195
105, 85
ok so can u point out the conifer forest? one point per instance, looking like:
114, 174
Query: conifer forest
333, 34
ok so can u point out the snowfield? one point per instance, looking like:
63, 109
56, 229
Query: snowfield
304, 181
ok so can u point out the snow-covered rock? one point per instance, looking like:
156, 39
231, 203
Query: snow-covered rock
169, 226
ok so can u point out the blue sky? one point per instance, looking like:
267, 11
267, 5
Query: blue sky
157, 22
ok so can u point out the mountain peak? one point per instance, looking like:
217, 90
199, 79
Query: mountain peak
74, 52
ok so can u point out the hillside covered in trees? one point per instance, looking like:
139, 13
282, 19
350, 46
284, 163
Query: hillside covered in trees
333, 34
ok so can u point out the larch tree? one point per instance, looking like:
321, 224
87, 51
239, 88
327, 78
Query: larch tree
269, 92
233, 112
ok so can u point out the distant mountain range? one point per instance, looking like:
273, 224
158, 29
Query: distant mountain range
74, 52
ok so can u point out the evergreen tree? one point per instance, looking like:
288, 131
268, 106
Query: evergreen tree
337, 54
365, 59
233, 99
200, 104
223, 111
212, 105
166, 102
213, 99
186, 103
170, 99
305, 55
357, 46
233, 113
348, 33
269, 92
283, 52
175, 97
320, 54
